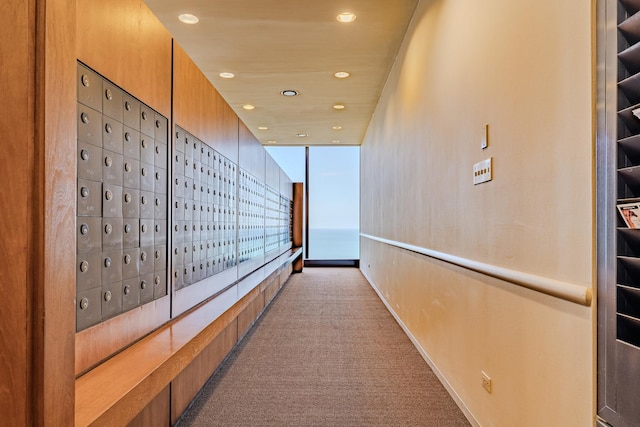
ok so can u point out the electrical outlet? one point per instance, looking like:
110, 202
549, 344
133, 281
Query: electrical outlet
486, 382
483, 171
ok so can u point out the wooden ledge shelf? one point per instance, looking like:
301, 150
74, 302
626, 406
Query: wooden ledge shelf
114, 392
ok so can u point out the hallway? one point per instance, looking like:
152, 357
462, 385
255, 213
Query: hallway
336, 357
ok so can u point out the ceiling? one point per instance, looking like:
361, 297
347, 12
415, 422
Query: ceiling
275, 45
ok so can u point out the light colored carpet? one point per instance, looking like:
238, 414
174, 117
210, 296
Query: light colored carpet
325, 353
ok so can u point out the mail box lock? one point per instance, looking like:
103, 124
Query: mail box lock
143, 284
108, 229
84, 155
84, 303
84, 192
107, 262
85, 80
127, 289
107, 296
108, 94
127, 259
84, 117
84, 229
84, 266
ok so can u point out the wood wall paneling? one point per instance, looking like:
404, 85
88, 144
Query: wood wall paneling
250, 314
155, 413
186, 386
95, 344
272, 173
286, 186
17, 29
270, 289
200, 110
298, 203
251, 153
125, 42
53, 201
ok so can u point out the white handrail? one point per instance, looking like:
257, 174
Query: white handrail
566, 291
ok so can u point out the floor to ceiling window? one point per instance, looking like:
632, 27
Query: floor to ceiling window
333, 197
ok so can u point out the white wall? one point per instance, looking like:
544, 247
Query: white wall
524, 68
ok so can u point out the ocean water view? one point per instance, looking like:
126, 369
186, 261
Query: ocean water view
334, 244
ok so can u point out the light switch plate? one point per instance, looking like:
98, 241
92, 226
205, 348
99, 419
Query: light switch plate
483, 171
484, 139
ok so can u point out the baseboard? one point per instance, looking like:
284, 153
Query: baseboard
456, 398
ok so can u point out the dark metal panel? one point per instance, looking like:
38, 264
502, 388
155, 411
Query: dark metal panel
89, 88
88, 271
146, 260
112, 229
112, 167
89, 125
88, 236
131, 143
89, 198
112, 135
131, 233
130, 263
111, 201
88, 309
112, 103
131, 173
111, 300
131, 203
146, 288
111, 267
89, 162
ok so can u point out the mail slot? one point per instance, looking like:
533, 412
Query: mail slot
89, 125
111, 299
89, 198
146, 288
130, 294
159, 284
89, 88
88, 308
112, 104
131, 112
112, 135
131, 143
89, 162
130, 263
88, 235
112, 230
146, 260
88, 271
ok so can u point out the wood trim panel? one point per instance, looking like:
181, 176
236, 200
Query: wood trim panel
126, 43
298, 219
96, 344
271, 290
250, 314
186, 386
17, 46
155, 413
157, 358
54, 212
199, 109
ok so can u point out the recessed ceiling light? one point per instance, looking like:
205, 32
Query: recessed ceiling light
301, 135
336, 141
338, 107
271, 141
248, 107
346, 17
227, 75
188, 18
289, 92
336, 127
263, 127
342, 74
